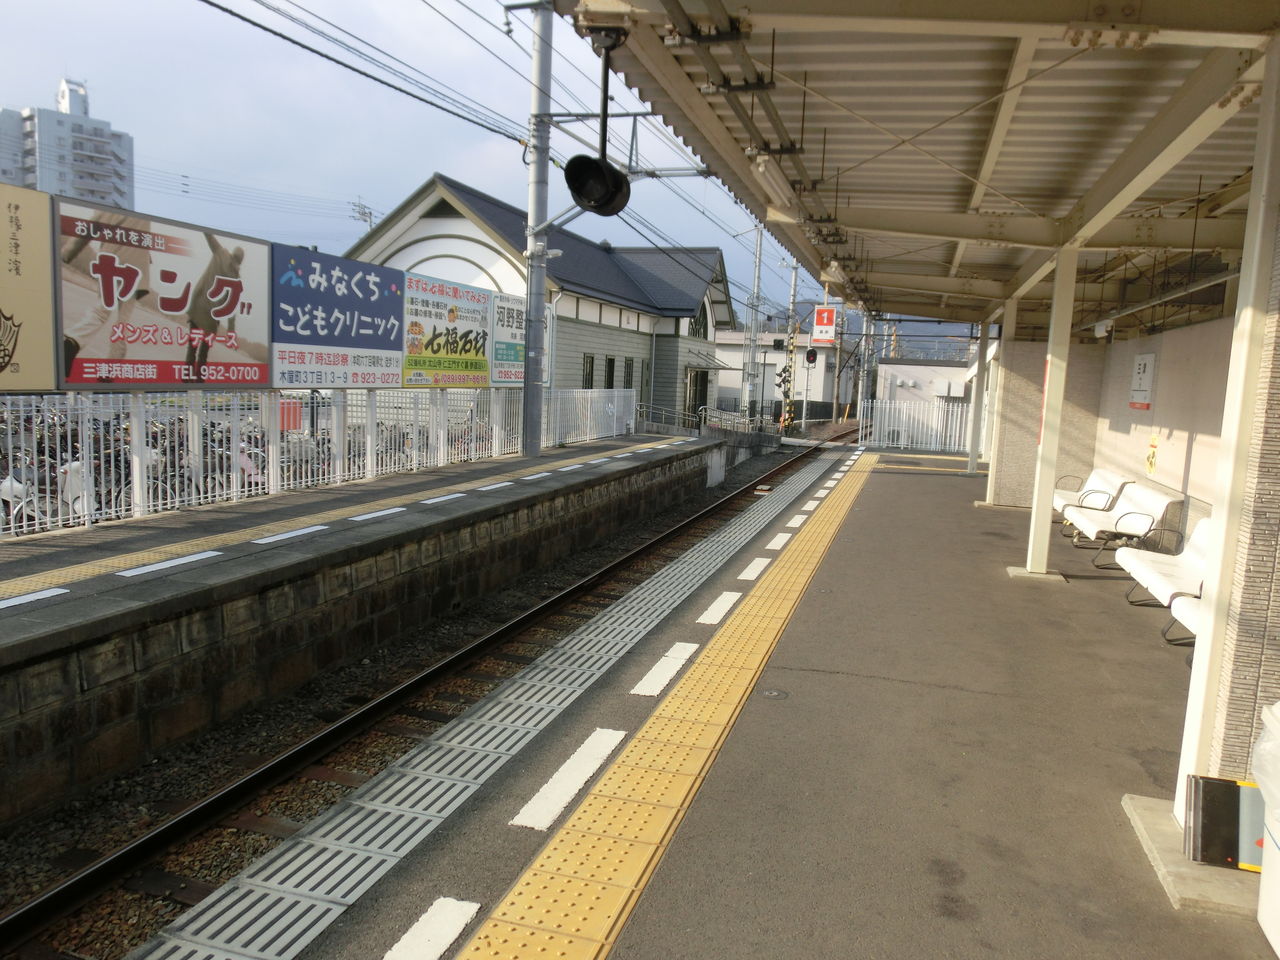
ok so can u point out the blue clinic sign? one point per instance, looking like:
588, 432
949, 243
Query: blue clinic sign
334, 323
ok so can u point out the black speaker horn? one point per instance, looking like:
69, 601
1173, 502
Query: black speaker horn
596, 185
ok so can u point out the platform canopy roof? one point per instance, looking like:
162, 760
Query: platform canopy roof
929, 158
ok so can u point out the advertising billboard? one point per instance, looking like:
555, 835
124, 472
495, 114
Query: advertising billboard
27, 354
335, 323
148, 302
446, 342
506, 366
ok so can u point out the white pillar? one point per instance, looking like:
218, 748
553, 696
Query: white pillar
370, 434
139, 453
338, 440
979, 396
1247, 349
1055, 383
269, 404
1008, 328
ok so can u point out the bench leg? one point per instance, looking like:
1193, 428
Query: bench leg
1102, 549
1151, 601
1188, 641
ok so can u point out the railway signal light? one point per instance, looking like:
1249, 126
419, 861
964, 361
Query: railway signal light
811, 356
596, 185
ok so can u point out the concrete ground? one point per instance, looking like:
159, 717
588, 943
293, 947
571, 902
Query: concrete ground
941, 767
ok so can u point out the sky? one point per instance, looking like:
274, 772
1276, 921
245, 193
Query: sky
239, 130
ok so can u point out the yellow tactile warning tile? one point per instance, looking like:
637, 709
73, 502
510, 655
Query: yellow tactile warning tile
75, 573
587, 856
623, 819
660, 755
608, 848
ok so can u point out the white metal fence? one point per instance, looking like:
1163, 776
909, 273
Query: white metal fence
75, 459
941, 426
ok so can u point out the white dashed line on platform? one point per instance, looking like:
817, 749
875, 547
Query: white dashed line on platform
619, 456
599, 460
302, 532
379, 513
495, 486
536, 476
715, 613
166, 564
754, 568
821, 493
547, 804
796, 520
447, 496
31, 597
641, 450
778, 542
435, 930
572, 466
830, 483
811, 505
662, 672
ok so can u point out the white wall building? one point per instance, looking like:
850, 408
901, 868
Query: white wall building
66, 151
817, 382
907, 380
639, 318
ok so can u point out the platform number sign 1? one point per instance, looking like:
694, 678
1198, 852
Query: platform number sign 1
1144, 372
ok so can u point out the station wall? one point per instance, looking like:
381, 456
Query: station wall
1182, 429
1020, 401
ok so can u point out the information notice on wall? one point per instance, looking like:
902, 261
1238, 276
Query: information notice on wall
1144, 374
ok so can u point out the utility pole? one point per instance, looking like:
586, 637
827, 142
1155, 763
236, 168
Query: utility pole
835, 397
536, 232
790, 364
361, 211
753, 336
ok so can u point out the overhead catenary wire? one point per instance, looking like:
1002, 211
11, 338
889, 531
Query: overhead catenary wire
364, 73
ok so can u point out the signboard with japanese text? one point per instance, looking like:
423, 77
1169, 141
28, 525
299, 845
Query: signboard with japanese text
446, 341
824, 325
507, 364
27, 354
154, 303
335, 323
1144, 373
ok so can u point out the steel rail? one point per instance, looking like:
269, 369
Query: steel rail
25, 921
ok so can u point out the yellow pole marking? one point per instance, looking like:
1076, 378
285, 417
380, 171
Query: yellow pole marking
574, 899
126, 561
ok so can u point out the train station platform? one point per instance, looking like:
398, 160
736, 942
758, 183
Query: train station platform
120, 639
880, 746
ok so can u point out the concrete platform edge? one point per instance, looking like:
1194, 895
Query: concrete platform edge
1190, 886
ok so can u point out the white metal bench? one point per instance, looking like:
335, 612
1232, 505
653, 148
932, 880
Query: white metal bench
1135, 513
1165, 576
1098, 490
1188, 611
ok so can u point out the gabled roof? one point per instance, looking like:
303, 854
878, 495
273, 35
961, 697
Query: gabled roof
670, 277
667, 281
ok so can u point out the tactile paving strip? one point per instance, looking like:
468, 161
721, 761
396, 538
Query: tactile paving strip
398, 808
635, 806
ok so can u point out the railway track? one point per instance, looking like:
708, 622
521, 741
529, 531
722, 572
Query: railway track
110, 905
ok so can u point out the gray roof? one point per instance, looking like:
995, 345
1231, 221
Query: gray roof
667, 281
